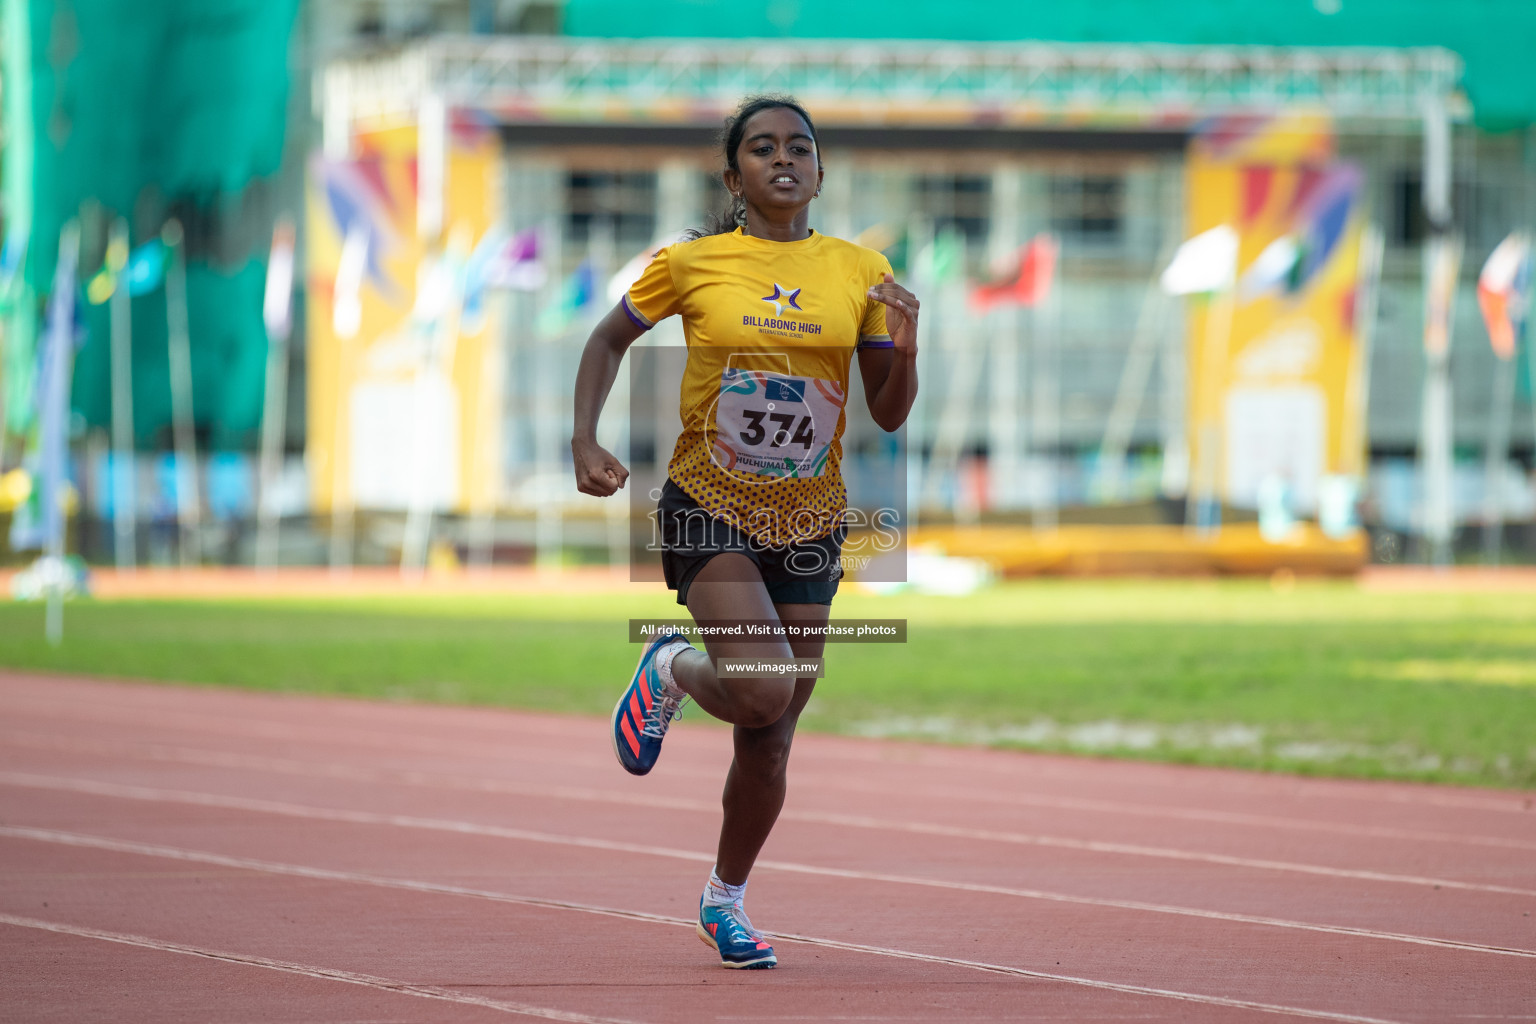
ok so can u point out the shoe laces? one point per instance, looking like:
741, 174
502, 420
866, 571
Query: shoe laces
667, 708
739, 922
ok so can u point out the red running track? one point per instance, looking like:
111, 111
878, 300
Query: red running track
181, 854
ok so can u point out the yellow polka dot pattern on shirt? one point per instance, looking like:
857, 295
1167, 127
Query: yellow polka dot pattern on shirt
777, 511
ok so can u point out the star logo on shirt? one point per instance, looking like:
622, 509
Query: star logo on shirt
782, 297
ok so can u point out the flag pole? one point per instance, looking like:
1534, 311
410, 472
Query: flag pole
1503, 294
1047, 401
1205, 265
1133, 384
1203, 510
485, 485
274, 408
548, 432
1442, 258
1495, 457
444, 280
55, 429
179, 353
1357, 402
346, 320
124, 514
341, 508
956, 343
1003, 419
1442, 265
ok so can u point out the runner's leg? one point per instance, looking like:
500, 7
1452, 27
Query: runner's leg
758, 779
730, 589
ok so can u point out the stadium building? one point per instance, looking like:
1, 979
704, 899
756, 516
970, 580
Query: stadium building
587, 130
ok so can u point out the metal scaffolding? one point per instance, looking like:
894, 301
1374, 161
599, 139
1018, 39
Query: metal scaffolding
524, 79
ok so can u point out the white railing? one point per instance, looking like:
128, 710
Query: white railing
685, 81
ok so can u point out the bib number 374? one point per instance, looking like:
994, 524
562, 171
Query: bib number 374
775, 425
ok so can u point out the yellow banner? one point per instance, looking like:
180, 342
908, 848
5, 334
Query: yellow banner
404, 392
1272, 359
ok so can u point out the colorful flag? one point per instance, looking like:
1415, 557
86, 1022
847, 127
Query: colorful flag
1324, 216
18, 342
41, 516
517, 265
12, 258
104, 284
1203, 264
15, 489
877, 236
477, 275
891, 242
440, 281
347, 303
146, 267
1444, 258
630, 272
360, 201
1503, 292
576, 292
1274, 268
1027, 278
942, 259
276, 306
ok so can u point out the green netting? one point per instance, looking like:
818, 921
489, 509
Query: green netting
1495, 38
133, 107
229, 354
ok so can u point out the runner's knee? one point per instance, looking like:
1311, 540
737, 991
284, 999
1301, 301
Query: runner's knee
762, 702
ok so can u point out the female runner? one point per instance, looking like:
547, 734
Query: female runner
750, 516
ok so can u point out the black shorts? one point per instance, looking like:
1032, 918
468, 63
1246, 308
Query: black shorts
804, 573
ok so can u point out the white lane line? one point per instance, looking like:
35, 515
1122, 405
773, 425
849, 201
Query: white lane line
1111, 986
1227, 781
1116, 807
258, 729
369, 736
791, 867
74, 839
510, 725
324, 973
254, 762
1031, 772
1093, 846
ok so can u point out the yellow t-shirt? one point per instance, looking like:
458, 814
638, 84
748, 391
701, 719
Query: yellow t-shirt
771, 330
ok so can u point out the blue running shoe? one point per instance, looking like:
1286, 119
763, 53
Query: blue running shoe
647, 707
741, 946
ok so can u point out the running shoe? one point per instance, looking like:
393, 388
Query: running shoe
644, 711
741, 946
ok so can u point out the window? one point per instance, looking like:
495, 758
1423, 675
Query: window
370, 22
624, 203
715, 200
1409, 224
1470, 205
1088, 207
957, 202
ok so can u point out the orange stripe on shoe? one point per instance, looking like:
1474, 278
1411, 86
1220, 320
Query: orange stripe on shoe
645, 688
629, 736
634, 708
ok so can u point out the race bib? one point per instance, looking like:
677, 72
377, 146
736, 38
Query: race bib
775, 425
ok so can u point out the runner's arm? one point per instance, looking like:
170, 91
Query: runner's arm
890, 374
598, 471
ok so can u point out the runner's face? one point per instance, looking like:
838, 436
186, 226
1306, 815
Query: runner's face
780, 169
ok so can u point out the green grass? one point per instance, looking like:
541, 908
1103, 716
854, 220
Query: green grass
1320, 679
